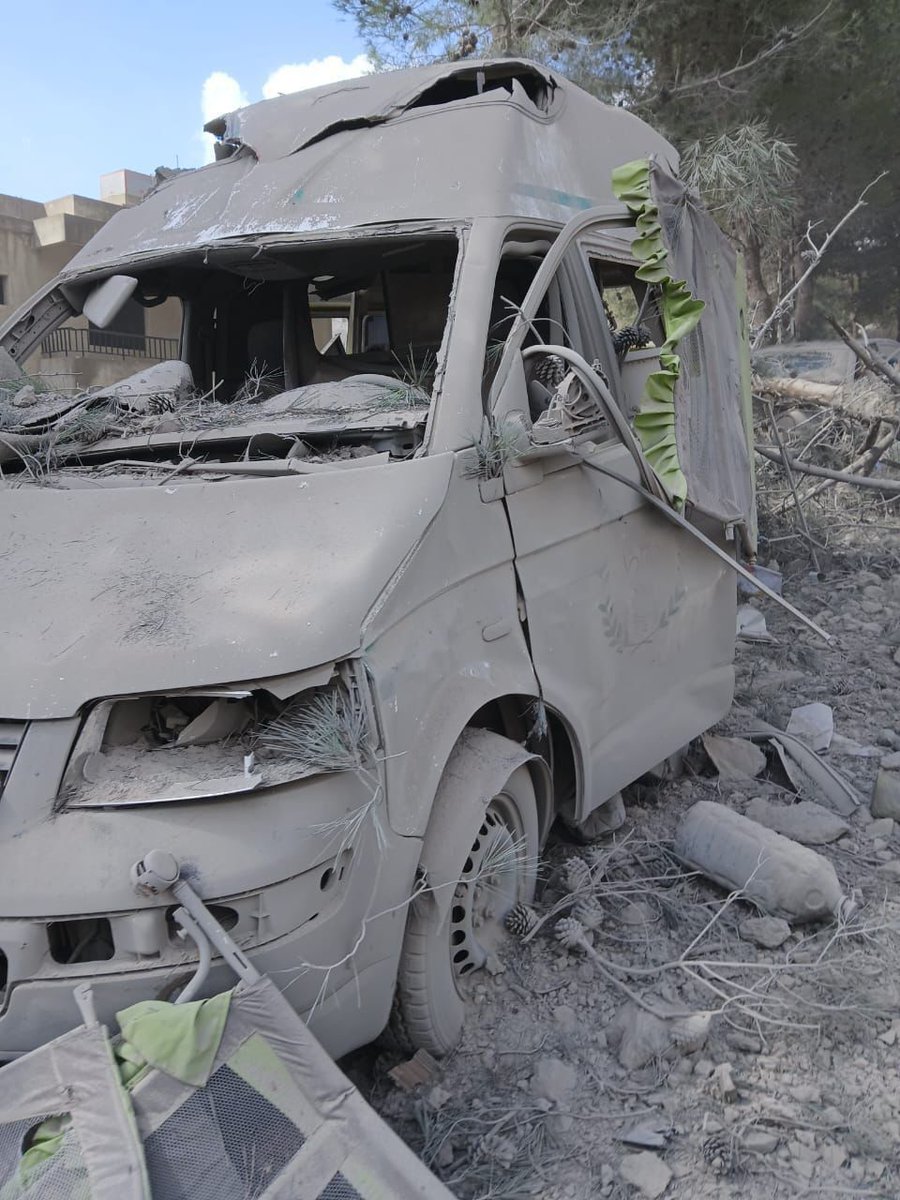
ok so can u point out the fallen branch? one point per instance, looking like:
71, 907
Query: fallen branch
792, 484
864, 465
892, 486
866, 354
827, 395
799, 389
816, 254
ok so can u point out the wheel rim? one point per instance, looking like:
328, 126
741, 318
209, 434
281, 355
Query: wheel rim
492, 880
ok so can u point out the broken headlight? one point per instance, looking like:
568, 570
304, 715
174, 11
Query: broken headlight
212, 743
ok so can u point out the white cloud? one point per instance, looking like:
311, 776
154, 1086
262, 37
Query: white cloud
221, 94
295, 77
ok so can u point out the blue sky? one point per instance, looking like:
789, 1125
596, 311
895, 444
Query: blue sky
97, 86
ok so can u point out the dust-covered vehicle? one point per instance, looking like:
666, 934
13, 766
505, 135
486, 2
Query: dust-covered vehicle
346, 605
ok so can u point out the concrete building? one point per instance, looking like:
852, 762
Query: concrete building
36, 241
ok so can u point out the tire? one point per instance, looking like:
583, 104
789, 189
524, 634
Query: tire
497, 871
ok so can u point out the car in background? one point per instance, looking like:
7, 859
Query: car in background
820, 362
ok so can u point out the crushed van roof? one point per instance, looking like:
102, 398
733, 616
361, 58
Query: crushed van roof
501, 137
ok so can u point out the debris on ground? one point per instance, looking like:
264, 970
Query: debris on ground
806, 822
767, 932
751, 625
781, 876
814, 724
794, 1090
646, 1172
421, 1068
886, 794
734, 758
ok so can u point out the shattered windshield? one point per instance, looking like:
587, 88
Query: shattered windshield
289, 358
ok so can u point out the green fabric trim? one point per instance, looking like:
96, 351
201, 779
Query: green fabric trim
180, 1039
654, 423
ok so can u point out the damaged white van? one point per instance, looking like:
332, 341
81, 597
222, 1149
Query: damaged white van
343, 607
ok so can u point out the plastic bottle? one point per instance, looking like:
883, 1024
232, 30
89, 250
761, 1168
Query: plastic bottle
782, 877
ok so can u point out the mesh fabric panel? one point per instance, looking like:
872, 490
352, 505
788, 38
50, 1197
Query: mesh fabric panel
339, 1189
226, 1142
62, 1176
11, 1136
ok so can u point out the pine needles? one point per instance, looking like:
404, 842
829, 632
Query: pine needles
324, 730
746, 176
498, 443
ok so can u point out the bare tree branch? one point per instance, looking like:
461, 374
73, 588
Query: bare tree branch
816, 255
891, 486
866, 355
865, 464
784, 41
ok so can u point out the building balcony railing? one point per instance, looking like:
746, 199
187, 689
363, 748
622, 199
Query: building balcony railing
104, 341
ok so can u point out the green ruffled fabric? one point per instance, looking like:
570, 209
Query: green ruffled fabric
654, 423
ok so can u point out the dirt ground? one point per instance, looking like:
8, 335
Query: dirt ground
785, 1082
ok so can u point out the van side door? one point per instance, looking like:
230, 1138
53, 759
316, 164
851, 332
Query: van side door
630, 622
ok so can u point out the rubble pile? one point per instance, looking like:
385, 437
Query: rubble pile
648, 1032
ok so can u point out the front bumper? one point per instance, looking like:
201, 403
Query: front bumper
300, 879
345, 1006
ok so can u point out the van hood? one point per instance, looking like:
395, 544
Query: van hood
151, 589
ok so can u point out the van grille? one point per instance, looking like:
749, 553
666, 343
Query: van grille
11, 734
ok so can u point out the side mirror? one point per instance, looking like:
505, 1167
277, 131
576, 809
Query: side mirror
107, 299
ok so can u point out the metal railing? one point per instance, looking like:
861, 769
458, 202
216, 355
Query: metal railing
104, 341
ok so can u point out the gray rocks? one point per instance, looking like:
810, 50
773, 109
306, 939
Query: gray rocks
647, 1172
734, 758
814, 723
885, 800
552, 1085
25, 397
554, 1080
806, 822
636, 913
882, 829
759, 1141
639, 1036
767, 932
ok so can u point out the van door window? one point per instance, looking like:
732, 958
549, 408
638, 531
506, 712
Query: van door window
560, 320
630, 311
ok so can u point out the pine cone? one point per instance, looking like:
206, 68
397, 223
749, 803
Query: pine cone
550, 370
161, 404
569, 931
719, 1154
589, 913
632, 337
520, 920
576, 875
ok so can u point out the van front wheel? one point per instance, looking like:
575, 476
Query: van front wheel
444, 946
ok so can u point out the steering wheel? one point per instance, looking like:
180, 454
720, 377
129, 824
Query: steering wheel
599, 390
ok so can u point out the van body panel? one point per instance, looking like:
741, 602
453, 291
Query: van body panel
185, 586
446, 641
623, 618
